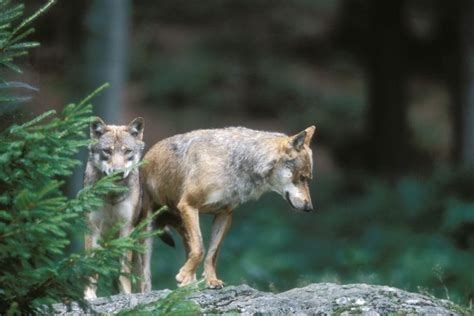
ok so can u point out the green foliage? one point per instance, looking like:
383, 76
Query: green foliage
35, 216
14, 44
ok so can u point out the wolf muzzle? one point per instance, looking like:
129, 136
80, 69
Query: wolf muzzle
124, 172
308, 206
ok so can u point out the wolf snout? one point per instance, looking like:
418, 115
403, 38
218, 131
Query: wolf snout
308, 207
124, 172
109, 171
300, 205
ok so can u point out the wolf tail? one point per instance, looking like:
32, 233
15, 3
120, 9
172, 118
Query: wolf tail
167, 237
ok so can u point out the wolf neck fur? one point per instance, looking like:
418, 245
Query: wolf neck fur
250, 165
252, 171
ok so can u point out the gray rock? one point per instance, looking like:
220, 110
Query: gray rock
322, 299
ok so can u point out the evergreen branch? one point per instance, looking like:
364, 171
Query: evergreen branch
11, 14
34, 121
14, 99
10, 55
94, 93
21, 36
16, 84
13, 67
23, 45
33, 230
32, 18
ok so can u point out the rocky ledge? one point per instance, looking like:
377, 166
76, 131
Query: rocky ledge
322, 298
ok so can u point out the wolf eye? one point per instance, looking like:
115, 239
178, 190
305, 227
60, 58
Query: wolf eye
107, 151
303, 179
128, 151
290, 163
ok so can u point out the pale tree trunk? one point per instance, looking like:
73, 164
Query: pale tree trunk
388, 143
107, 26
108, 31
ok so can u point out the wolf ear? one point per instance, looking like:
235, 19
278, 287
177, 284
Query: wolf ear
298, 141
309, 134
97, 128
302, 138
135, 128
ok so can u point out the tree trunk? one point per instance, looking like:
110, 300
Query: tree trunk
461, 80
467, 83
387, 115
107, 24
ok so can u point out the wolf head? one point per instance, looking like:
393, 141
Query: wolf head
294, 170
116, 148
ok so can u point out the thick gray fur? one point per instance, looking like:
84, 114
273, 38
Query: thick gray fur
247, 166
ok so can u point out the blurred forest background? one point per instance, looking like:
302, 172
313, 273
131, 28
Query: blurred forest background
389, 85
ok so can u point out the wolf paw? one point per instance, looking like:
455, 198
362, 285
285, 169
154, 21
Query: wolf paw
214, 284
89, 294
184, 279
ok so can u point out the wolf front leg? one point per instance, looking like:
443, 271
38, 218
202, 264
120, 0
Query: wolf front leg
220, 226
145, 262
193, 238
125, 262
90, 242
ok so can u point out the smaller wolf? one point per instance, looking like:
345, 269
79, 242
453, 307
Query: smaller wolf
213, 171
117, 148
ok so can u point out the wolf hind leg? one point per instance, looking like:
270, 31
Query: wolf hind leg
144, 259
220, 226
193, 240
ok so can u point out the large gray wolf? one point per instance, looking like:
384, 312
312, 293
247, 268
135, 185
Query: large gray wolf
213, 171
117, 149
